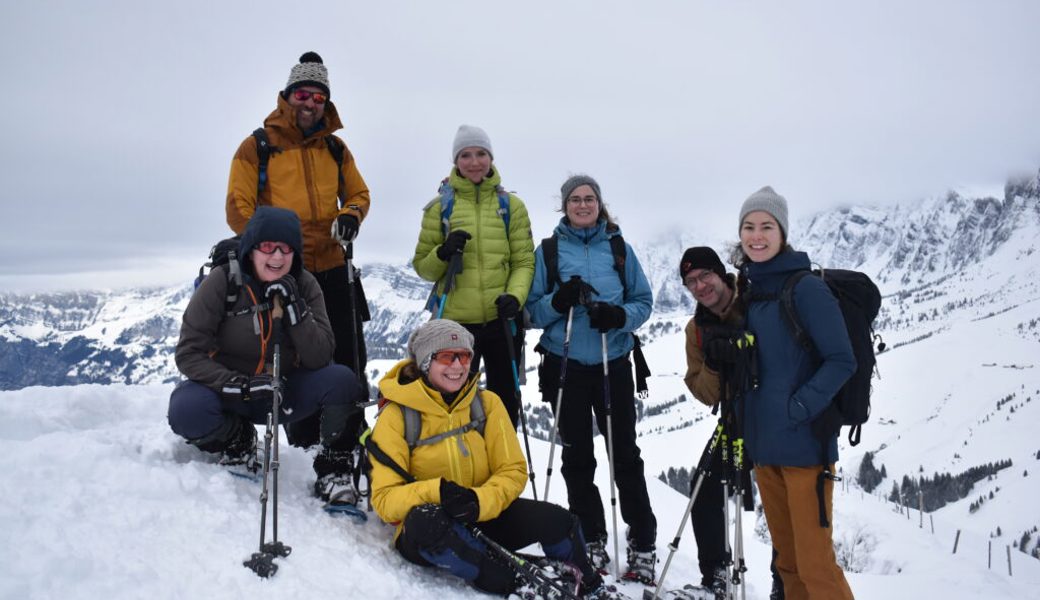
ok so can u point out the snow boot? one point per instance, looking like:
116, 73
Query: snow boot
598, 556
336, 484
641, 566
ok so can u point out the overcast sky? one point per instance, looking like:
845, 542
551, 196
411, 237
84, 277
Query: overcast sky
120, 118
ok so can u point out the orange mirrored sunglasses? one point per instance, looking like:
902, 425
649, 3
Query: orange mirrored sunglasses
447, 357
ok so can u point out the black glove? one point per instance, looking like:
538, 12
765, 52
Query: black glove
826, 424
508, 306
605, 316
235, 389
345, 228
261, 389
460, 503
455, 242
571, 293
718, 352
295, 306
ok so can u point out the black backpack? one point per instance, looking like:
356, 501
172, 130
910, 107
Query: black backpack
225, 252
859, 300
551, 257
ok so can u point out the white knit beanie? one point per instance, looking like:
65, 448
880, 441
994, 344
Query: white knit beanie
470, 136
435, 335
769, 201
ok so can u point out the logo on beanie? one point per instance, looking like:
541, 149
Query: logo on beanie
454, 337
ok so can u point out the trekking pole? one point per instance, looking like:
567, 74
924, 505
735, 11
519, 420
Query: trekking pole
610, 452
261, 562
525, 568
702, 470
559, 400
348, 255
454, 268
509, 326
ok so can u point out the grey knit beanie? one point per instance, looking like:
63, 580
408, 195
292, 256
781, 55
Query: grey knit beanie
574, 182
469, 136
435, 335
310, 71
769, 201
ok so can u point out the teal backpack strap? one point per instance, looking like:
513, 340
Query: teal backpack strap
447, 194
503, 207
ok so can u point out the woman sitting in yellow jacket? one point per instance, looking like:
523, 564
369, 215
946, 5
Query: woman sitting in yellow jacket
461, 471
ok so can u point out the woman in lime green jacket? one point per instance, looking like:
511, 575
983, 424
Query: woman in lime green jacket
475, 221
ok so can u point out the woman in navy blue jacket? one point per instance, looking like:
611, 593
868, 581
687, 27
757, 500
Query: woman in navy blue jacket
795, 386
601, 305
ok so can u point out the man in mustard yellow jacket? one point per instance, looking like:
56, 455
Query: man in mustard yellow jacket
303, 174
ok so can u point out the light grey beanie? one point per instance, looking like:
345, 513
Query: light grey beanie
576, 181
769, 201
435, 335
309, 71
470, 136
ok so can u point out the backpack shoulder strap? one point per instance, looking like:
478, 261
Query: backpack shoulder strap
477, 414
790, 313
264, 149
551, 257
620, 253
337, 149
503, 207
413, 424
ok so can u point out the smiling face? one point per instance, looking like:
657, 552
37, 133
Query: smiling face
473, 163
273, 266
708, 289
760, 236
308, 112
452, 376
583, 207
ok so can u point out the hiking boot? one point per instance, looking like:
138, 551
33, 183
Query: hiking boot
563, 576
777, 592
641, 566
336, 489
719, 583
597, 552
240, 453
604, 592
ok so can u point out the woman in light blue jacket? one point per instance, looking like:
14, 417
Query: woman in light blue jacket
602, 303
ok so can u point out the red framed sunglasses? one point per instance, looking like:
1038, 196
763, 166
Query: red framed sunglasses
303, 95
446, 357
270, 247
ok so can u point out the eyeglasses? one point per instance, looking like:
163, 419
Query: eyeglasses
270, 247
704, 279
576, 201
303, 95
448, 357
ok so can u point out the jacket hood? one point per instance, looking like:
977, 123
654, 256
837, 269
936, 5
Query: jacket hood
420, 395
282, 122
272, 224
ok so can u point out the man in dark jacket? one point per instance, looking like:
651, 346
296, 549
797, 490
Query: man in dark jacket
708, 351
